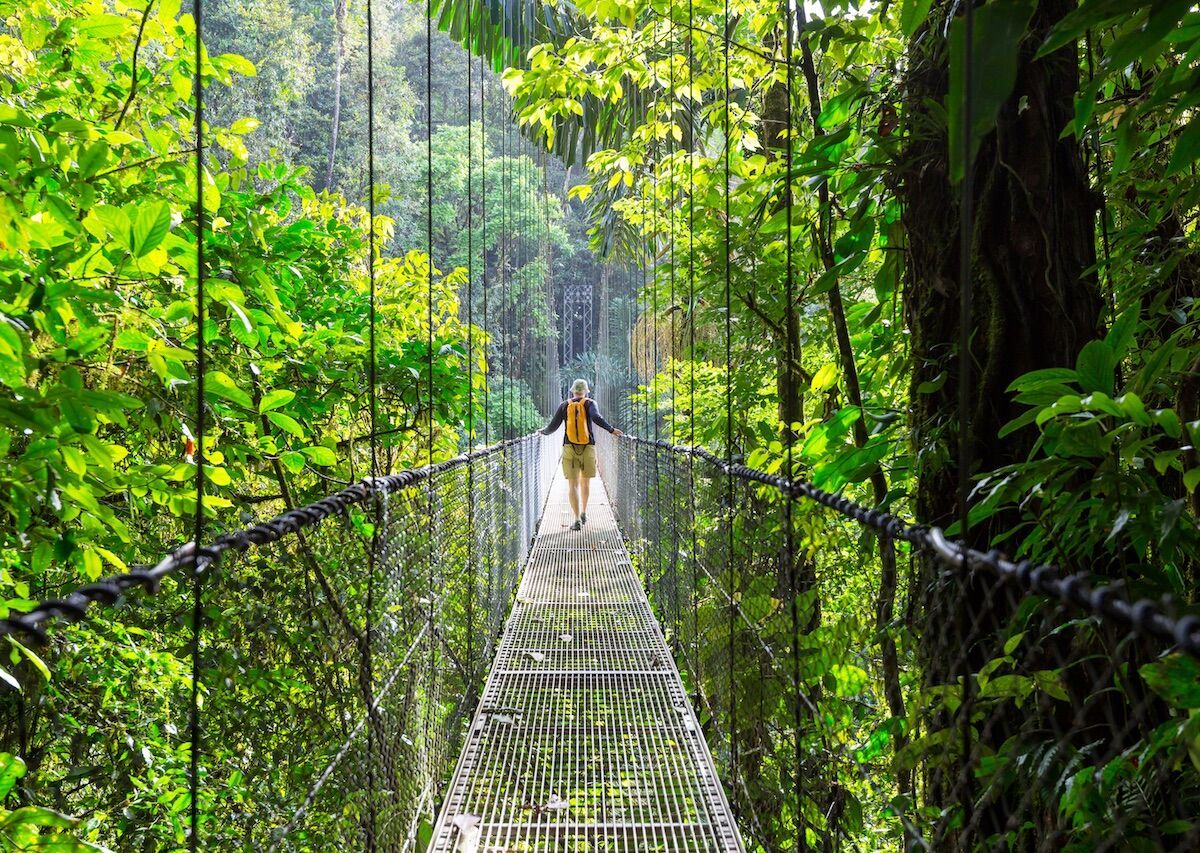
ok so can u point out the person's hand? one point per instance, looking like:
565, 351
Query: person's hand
618, 433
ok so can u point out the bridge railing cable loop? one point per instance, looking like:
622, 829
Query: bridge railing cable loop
1075, 686
73, 607
1104, 601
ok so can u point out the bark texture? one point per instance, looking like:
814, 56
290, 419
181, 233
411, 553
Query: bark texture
1035, 306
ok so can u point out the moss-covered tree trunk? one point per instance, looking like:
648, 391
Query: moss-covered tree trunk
1035, 305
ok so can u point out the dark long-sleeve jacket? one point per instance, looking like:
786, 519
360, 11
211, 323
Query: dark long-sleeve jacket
593, 416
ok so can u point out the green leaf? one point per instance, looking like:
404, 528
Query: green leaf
38, 816
116, 224
218, 384
320, 455
245, 125
30, 656
286, 423
855, 241
1121, 336
235, 62
132, 339
1133, 407
1010, 645
825, 378
150, 226
12, 364
103, 26
932, 386
77, 415
1187, 148
247, 326
1169, 421
12, 768
1098, 401
1019, 422
851, 680
292, 460
1050, 682
275, 399
1049, 375
75, 461
996, 44
1176, 678
1096, 367
912, 14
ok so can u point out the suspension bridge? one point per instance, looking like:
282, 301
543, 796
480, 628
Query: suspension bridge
644, 685
432, 660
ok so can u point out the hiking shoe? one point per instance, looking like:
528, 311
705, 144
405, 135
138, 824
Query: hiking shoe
583, 518
576, 525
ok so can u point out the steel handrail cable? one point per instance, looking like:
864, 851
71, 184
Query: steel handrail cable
73, 606
1105, 601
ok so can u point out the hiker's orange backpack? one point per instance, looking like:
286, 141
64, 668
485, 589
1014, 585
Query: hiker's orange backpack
577, 422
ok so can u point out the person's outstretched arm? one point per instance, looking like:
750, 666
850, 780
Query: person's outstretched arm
599, 421
556, 421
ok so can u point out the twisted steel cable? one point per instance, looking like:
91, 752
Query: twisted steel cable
73, 607
1105, 601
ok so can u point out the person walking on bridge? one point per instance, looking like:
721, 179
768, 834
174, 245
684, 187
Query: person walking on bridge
579, 445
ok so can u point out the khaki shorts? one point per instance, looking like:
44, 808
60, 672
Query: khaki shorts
579, 458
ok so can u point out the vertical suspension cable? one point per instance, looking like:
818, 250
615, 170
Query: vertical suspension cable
487, 329
372, 378
522, 248
655, 400
431, 595
733, 744
640, 292
789, 554
648, 410
965, 234
470, 420
965, 228
551, 368
674, 362
631, 343
198, 566
506, 245
698, 677
654, 353
371, 340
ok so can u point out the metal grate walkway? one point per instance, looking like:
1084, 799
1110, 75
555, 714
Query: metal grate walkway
584, 739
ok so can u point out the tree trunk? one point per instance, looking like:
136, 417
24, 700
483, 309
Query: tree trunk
791, 378
885, 602
1036, 305
339, 61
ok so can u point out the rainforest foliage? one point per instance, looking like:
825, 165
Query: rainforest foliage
98, 332
793, 162
797, 203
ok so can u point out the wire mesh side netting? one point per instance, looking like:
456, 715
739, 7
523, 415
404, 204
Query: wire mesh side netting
338, 667
971, 715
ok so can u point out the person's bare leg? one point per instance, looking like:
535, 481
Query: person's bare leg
573, 493
585, 488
